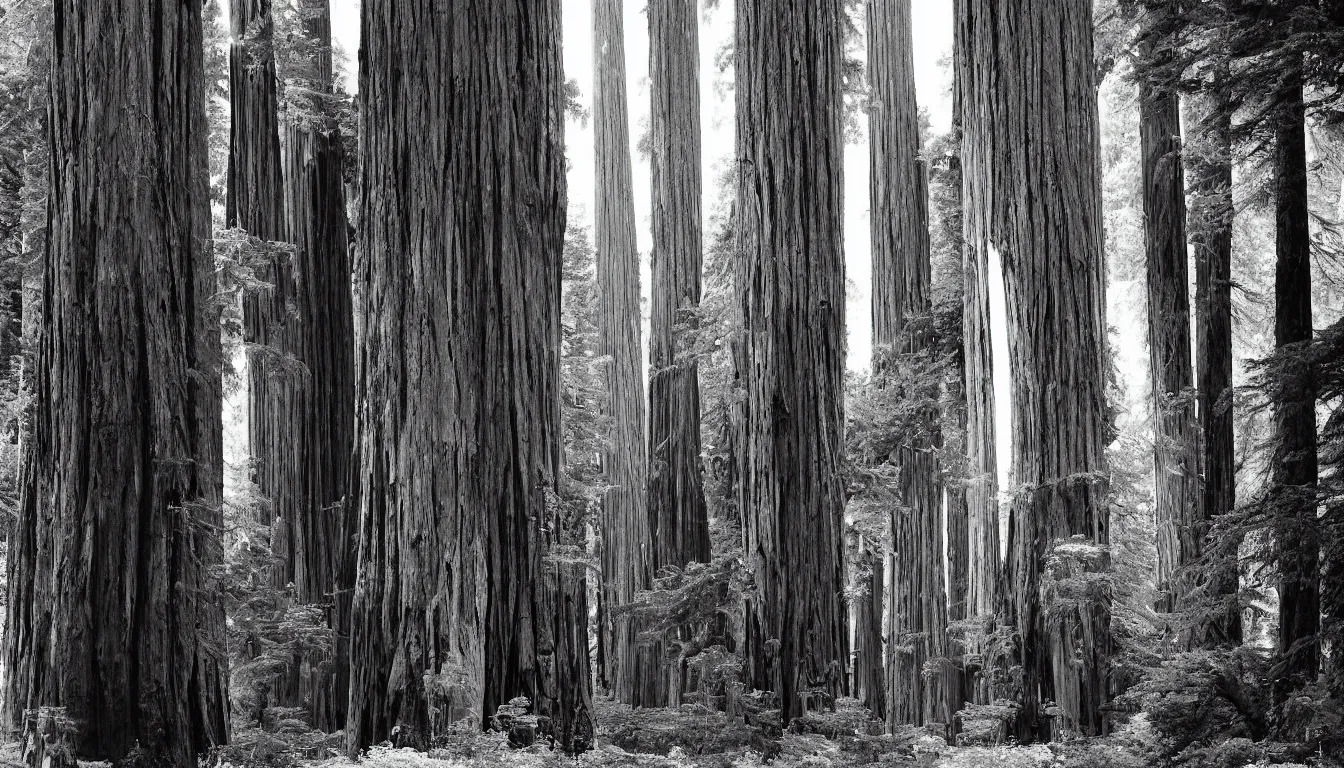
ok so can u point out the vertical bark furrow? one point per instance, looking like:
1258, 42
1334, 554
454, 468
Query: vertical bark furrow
791, 290
677, 512
120, 515
627, 557
457, 606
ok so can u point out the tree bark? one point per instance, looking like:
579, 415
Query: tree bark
1211, 216
791, 291
458, 605
111, 615
627, 556
1034, 194
916, 605
1175, 425
870, 685
320, 335
678, 515
1294, 474
982, 484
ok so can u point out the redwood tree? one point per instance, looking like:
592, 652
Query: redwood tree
627, 559
790, 366
982, 484
916, 604
1175, 422
458, 605
320, 411
1293, 491
1031, 158
677, 512
110, 613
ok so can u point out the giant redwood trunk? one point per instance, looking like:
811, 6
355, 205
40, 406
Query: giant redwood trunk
1034, 195
791, 289
916, 604
320, 411
982, 483
1175, 422
677, 512
870, 683
458, 607
111, 616
627, 557
1209, 159
1294, 475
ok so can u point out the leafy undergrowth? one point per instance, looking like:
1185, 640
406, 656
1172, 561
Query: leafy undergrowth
695, 737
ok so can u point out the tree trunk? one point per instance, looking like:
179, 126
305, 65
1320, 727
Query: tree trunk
111, 617
982, 483
1211, 214
1293, 479
1034, 194
458, 606
791, 289
1175, 426
321, 336
870, 685
255, 202
916, 605
677, 512
627, 557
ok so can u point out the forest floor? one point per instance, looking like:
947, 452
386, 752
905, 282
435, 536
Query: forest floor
693, 737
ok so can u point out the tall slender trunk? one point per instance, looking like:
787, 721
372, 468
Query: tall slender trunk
677, 512
1211, 214
1294, 475
982, 483
255, 202
119, 521
458, 605
916, 604
870, 685
1034, 194
791, 291
1175, 422
627, 556
321, 411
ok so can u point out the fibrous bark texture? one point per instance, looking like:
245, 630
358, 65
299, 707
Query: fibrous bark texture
791, 289
1211, 215
677, 512
870, 685
982, 482
627, 556
1030, 155
320, 335
1175, 424
457, 608
111, 614
916, 604
1295, 468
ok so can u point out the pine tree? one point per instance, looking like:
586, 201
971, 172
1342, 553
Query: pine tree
627, 557
320, 335
111, 613
677, 511
464, 598
1031, 158
916, 604
791, 293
